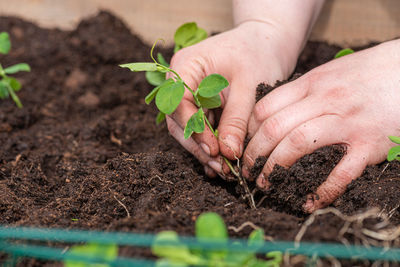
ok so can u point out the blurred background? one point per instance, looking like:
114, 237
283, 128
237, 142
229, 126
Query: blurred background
342, 22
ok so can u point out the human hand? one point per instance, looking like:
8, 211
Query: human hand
352, 101
250, 53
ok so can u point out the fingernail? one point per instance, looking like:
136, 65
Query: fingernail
205, 148
234, 144
262, 182
215, 165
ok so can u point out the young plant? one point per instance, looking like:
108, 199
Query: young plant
394, 152
106, 252
9, 85
344, 52
211, 227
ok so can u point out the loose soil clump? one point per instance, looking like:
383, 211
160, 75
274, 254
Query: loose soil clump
85, 152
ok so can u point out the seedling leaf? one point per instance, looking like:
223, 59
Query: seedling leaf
195, 124
167, 245
394, 153
200, 35
15, 85
169, 96
276, 258
140, 66
162, 60
106, 252
160, 117
16, 68
344, 52
155, 78
3, 90
210, 102
151, 95
256, 238
395, 139
5, 44
188, 34
212, 85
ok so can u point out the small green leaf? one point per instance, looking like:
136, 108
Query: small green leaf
3, 90
200, 35
212, 85
344, 52
160, 117
256, 238
169, 96
105, 252
276, 258
395, 139
15, 85
195, 124
5, 44
210, 102
394, 153
210, 225
140, 66
151, 95
167, 245
162, 60
155, 78
16, 68
184, 33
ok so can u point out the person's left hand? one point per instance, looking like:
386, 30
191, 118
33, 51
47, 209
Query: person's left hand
353, 100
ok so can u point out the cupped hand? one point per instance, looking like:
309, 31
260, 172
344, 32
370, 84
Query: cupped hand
353, 100
250, 53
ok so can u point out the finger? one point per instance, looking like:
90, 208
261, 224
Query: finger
276, 127
232, 126
349, 168
303, 140
209, 172
275, 101
194, 148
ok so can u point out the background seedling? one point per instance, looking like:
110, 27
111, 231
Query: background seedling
104, 252
394, 152
210, 227
10, 85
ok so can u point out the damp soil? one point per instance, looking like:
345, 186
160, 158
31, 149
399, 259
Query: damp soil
85, 153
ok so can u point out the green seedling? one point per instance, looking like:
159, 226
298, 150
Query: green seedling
10, 85
104, 252
394, 152
344, 52
211, 227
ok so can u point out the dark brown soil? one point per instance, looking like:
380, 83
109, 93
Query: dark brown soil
85, 142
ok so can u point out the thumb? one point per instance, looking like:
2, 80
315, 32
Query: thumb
234, 119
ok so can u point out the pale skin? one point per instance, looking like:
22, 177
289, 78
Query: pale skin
350, 100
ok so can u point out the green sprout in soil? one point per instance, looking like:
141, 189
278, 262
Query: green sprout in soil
344, 52
210, 227
394, 152
103, 252
10, 85
168, 93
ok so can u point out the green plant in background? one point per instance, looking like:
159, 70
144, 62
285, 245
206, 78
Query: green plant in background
344, 52
106, 252
211, 227
10, 85
394, 152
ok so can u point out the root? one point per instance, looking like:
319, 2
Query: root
123, 205
253, 226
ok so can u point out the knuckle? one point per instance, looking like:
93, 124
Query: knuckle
297, 140
234, 122
343, 178
272, 129
260, 112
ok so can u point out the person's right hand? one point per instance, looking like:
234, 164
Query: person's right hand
251, 53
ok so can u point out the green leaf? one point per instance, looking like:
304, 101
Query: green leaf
210, 225
169, 96
140, 66
212, 85
5, 44
344, 52
195, 124
15, 85
394, 153
168, 263
105, 252
3, 90
200, 35
16, 68
160, 117
395, 139
162, 60
151, 95
256, 238
184, 33
155, 78
276, 258
210, 102
167, 245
